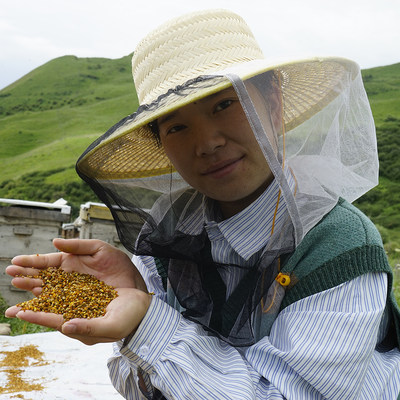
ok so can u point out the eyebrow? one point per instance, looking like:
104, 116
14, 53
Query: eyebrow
168, 117
173, 114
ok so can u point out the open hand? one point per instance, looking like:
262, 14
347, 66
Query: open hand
89, 256
97, 258
123, 316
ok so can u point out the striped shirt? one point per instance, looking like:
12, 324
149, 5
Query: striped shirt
321, 347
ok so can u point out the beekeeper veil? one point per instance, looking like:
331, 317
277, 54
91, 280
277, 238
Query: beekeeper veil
322, 148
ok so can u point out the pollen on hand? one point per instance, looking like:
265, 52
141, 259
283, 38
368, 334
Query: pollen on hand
71, 294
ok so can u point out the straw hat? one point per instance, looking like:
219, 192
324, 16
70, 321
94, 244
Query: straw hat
172, 58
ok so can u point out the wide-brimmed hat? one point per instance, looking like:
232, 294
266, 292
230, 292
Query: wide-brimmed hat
186, 59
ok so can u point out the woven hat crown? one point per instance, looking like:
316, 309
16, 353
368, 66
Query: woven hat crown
184, 48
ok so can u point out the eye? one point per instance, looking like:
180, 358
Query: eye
222, 105
175, 128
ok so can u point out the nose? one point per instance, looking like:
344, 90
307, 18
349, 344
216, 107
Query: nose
208, 137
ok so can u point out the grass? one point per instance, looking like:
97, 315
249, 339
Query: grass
19, 327
383, 88
50, 116
61, 153
68, 101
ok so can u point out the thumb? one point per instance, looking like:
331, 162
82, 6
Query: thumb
92, 330
84, 332
78, 246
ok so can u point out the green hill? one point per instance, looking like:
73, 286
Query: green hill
48, 117
382, 204
383, 88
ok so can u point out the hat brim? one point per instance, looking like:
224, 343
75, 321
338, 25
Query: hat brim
130, 150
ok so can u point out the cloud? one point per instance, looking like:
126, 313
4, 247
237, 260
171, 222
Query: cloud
34, 32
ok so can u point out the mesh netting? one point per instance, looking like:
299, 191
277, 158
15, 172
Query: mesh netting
326, 144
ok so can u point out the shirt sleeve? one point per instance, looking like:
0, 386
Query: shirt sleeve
322, 346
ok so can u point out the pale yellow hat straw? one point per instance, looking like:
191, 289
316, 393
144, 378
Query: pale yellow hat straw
203, 43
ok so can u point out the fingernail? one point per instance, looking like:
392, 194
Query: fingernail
69, 328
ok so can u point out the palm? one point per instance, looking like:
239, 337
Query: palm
123, 315
93, 257
107, 264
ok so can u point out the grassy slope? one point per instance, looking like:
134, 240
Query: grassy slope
383, 88
48, 117
382, 204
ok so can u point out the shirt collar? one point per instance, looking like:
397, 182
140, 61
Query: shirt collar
250, 230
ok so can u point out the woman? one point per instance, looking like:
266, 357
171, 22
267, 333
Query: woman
267, 282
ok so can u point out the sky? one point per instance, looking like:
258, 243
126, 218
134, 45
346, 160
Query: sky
35, 32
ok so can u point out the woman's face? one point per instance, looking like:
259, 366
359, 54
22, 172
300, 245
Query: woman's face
211, 145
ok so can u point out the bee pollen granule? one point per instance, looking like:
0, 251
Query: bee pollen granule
71, 294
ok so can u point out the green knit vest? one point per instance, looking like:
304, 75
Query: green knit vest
342, 246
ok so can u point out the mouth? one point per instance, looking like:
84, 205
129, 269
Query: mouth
222, 168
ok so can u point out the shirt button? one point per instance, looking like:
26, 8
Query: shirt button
144, 350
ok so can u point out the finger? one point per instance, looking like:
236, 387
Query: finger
12, 312
38, 261
31, 284
15, 270
86, 339
119, 320
92, 330
79, 246
49, 320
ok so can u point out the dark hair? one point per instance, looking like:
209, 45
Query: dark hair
155, 130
